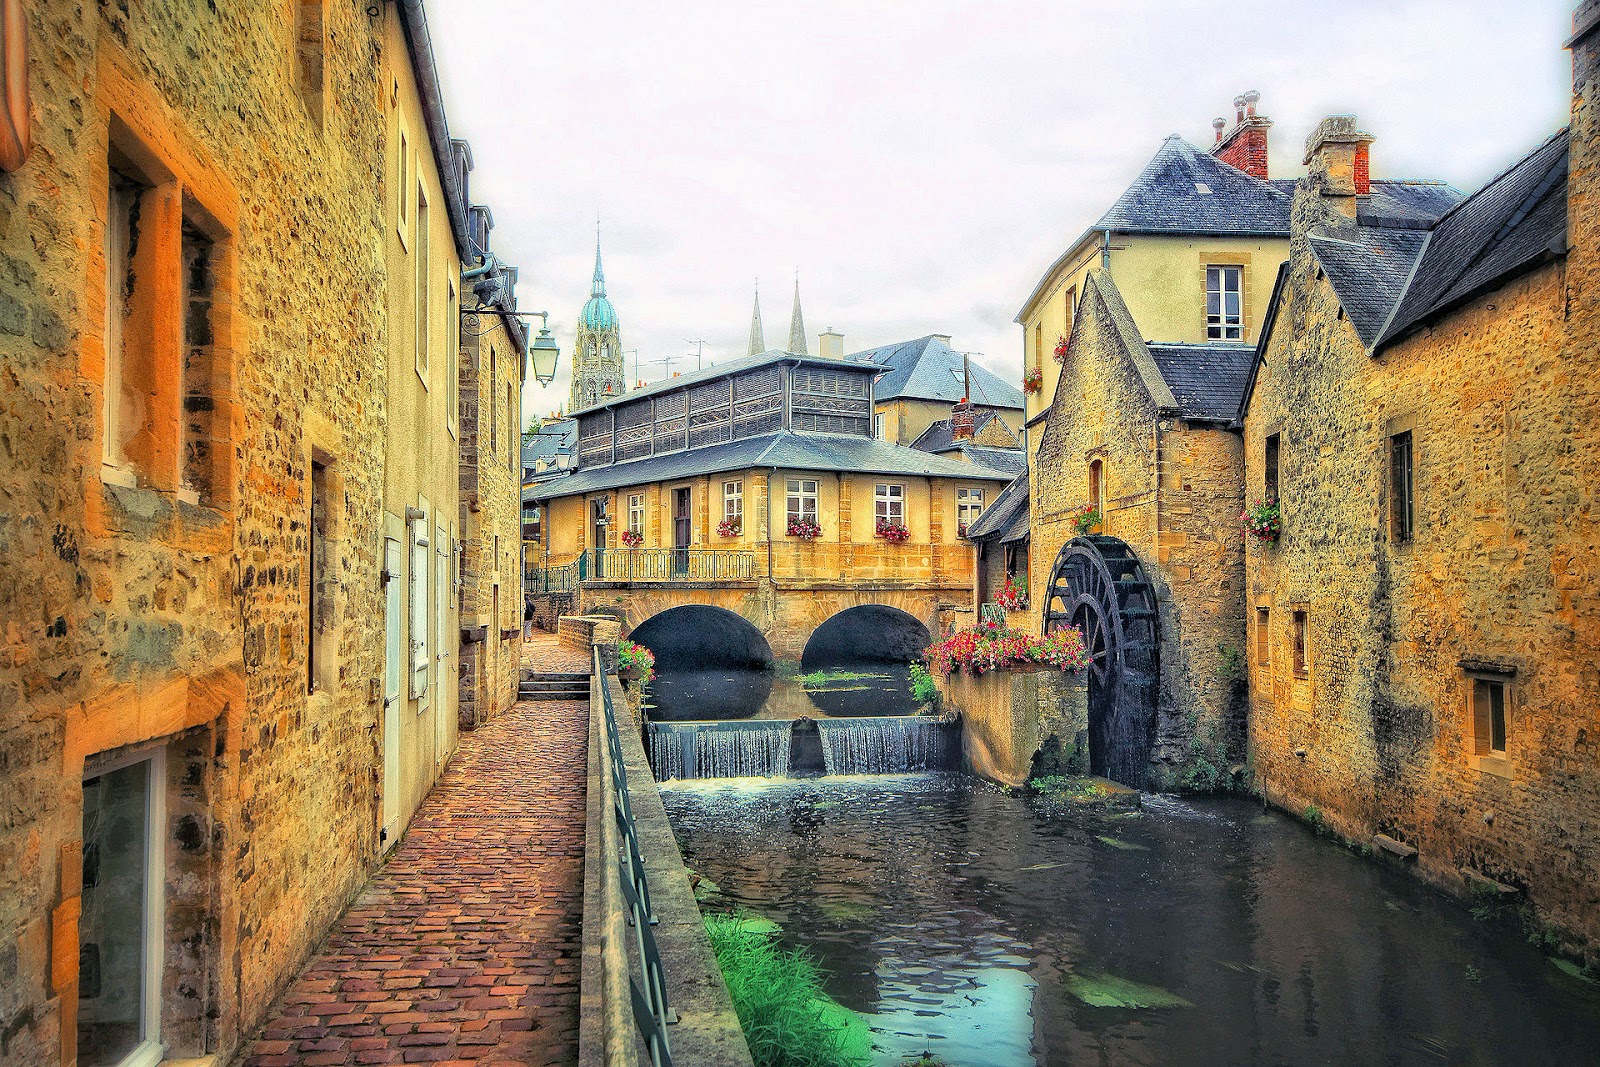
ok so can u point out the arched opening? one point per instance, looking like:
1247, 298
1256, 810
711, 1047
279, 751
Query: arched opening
868, 649
1097, 488
710, 663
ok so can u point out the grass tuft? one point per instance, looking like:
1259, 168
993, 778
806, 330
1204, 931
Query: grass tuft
787, 1018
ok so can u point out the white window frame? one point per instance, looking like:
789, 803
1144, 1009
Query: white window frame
418, 613
877, 425
149, 1051
636, 513
969, 505
733, 501
889, 503
1221, 326
402, 220
800, 502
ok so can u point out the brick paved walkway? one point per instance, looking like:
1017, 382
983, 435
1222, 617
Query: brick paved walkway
466, 947
546, 652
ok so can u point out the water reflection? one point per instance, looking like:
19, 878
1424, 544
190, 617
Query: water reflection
874, 689
999, 931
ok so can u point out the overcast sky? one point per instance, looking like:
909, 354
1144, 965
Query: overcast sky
921, 164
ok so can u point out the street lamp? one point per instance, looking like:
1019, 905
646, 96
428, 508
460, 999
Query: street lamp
544, 351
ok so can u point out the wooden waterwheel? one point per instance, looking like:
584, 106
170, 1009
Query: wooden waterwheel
1099, 586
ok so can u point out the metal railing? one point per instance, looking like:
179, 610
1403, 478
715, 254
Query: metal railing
666, 565
651, 1013
553, 579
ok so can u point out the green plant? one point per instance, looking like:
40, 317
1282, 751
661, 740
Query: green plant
635, 663
1313, 818
1084, 518
1262, 520
1071, 787
1473, 974
1231, 666
923, 688
787, 1018
927, 1059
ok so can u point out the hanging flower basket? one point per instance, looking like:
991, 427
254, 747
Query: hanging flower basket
1033, 381
1012, 597
1085, 517
730, 528
1061, 349
805, 529
632, 539
892, 532
993, 648
1262, 520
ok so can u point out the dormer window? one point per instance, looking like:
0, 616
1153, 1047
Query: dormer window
1224, 303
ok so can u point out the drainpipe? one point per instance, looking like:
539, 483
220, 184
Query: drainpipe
770, 473
486, 264
1105, 253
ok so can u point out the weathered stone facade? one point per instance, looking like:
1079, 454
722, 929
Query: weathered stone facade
1371, 724
194, 418
1169, 487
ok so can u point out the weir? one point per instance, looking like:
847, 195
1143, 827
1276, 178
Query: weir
779, 748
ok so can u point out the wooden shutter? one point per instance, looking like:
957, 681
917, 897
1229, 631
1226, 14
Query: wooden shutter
419, 608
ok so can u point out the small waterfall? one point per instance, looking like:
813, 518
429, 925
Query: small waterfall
894, 744
750, 748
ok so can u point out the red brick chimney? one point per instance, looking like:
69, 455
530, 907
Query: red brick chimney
963, 421
1245, 146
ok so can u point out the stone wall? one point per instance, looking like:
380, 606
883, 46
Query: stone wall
1017, 724
146, 606
1376, 733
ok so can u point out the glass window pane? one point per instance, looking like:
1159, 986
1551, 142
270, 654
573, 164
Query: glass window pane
1232, 305
112, 962
1213, 304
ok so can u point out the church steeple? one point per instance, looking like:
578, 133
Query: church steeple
797, 325
597, 350
758, 342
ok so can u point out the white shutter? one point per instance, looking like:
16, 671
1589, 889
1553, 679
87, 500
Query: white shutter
441, 593
419, 609
394, 654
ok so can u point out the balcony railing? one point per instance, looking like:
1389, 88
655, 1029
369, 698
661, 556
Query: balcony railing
666, 565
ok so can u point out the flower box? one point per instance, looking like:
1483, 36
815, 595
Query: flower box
893, 532
1262, 520
993, 648
804, 529
1085, 517
632, 539
730, 528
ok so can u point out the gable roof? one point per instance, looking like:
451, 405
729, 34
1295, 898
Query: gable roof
940, 435
1518, 219
553, 438
1004, 514
929, 369
1368, 267
1207, 380
788, 449
1184, 190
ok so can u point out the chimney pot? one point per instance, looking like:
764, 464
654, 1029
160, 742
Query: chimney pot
1251, 98
1219, 124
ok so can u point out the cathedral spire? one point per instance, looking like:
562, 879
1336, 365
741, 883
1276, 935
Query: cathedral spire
758, 342
599, 286
797, 325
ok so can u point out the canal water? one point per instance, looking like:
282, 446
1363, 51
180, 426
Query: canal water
1002, 931
842, 690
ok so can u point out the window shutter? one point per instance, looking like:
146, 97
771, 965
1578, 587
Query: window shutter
441, 605
419, 608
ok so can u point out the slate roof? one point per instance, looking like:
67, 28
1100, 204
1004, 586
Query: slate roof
553, 439
796, 451
1207, 380
929, 369
1186, 190
1003, 512
940, 435
1008, 461
1517, 219
1368, 272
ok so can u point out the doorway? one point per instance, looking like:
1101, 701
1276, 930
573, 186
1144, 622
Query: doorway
393, 654
601, 521
680, 530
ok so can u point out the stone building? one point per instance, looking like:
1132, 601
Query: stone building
688, 491
920, 381
597, 370
198, 324
493, 347
1425, 632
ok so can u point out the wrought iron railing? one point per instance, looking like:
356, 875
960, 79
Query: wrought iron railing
666, 565
647, 990
562, 579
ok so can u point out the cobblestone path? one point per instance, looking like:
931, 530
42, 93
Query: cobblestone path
466, 947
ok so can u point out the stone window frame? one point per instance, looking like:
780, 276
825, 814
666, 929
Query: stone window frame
887, 506
1263, 636
183, 191
1480, 678
1095, 472
322, 574
310, 56
452, 355
1397, 427
636, 513
403, 170
1300, 641
797, 498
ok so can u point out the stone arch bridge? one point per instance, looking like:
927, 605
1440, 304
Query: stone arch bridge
790, 615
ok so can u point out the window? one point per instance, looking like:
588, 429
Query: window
636, 513
121, 942
1402, 504
889, 504
802, 499
121, 388
1038, 343
1270, 468
452, 357
1263, 636
1097, 488
1224, 296
487, 388
511, 429
1302, 645
199, 434
733, 501
402, 219
1489, 721
969, 505
877, 425
319, 597
424, 269
1069, 307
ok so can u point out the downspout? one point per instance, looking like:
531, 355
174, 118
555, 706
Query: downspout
770, 473
1105, 253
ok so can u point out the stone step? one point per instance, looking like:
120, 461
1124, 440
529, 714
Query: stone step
583, 696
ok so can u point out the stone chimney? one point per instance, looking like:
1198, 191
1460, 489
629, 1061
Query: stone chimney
963, 420
1245, 146
830, 345
1336, 156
